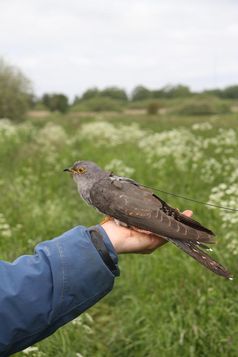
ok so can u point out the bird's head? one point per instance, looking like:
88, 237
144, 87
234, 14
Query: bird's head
85, 172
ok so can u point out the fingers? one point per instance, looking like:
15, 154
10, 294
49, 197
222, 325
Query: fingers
142, 243
188, 213
153, 243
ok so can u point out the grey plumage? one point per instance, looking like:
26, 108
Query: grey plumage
136, 206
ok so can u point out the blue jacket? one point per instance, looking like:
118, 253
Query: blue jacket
39, 293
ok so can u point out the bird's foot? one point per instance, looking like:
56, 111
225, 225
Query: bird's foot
106, 219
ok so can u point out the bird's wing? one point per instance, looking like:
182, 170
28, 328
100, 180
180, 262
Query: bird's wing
137, 206
170, 211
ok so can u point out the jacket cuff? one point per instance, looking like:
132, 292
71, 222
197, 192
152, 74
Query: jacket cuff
110, 248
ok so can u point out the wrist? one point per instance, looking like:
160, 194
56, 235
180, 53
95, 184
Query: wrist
105, 248
116, 234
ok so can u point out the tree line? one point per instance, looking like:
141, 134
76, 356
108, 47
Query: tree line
60, 102
16, 95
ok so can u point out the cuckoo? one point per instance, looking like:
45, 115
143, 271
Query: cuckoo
131, 204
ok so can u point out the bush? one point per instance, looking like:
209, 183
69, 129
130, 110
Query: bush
141, 93
230, 92
152, 108
15, 92
56, 102
178, 91
39, 106
98, 104
109, 92
115, 93
206, 106
89, 94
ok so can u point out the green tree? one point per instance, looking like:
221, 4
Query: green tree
213, 92
76, 100
15, 92
114, 93
158, 93
141, 93
90, 93
179, 91
33, 100
46, 100
230, 92
56, 102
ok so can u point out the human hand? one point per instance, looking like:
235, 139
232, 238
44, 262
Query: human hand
126, 240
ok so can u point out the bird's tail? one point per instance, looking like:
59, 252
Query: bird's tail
192, 249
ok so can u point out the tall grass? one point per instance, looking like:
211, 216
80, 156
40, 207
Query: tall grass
164, 304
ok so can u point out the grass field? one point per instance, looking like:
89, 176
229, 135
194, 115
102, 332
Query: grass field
164, 304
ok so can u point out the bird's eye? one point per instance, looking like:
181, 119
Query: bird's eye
81, 170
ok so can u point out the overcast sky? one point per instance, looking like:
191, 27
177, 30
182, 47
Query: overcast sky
70, 45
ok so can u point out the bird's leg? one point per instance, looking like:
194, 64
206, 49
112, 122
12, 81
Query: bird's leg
106, 219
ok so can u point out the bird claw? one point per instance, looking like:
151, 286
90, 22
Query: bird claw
106, 219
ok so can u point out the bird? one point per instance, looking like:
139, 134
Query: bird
133, 205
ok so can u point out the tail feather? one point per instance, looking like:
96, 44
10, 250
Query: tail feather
194, 224
192, 249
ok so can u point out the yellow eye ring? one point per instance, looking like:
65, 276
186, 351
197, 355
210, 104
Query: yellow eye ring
80, 170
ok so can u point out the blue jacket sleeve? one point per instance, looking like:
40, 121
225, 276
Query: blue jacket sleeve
41, 292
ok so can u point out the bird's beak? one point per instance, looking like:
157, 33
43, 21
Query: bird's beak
70, 169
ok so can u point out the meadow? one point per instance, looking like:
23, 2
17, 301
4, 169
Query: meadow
164, 304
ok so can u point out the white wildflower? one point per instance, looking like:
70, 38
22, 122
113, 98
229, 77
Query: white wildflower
233, 246
179, 144
5, 229
51, 135
119, 168
30, 349
88, 329
202, 126
77, 321
7, 128
84, 321
226, 195
104, 133
211, 168
88, 317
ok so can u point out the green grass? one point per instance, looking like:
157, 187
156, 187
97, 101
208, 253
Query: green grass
164, 304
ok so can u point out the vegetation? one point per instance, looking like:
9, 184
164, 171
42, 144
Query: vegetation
203, 106
15, 92
230, 92
56, 102
141, 93
152, 108
110, 92
98, 104
164, 304
178, 99
95, 100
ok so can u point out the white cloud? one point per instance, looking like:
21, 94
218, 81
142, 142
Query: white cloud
72, 44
